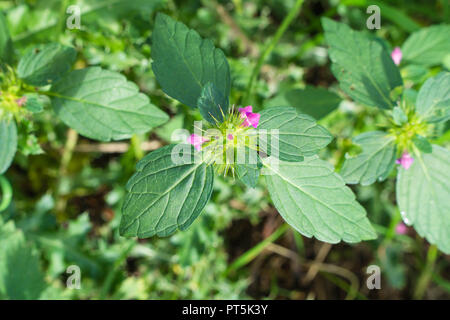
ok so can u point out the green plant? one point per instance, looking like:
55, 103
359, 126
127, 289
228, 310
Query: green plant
369, 76
98, 103
164, 195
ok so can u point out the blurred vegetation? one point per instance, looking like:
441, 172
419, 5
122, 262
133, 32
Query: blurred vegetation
67, 196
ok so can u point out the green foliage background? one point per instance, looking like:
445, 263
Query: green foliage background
67, 196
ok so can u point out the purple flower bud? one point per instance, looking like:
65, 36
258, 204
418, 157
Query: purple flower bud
197, 141
251, 119
405, 161
397, 55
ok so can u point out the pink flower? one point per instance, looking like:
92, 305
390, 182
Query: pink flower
251, 119
197, 141
401, 228
405, 161
21, 101
230, 136
397, 55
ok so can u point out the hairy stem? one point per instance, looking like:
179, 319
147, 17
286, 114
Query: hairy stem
427, 272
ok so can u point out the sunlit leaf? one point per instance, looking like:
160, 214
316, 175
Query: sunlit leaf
428, 46
103, 105
183, 62
164, 196
8, 143
298, 134
44, 64
248, 171
314, 200
433, 100
423, 192
365, 70
376, 160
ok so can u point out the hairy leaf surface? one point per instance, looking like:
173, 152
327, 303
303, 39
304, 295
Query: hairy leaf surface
298, 134
365, 70
183, 62
8, 143
248, 171
315, 102
433, 100
428, 46
44, 64
423, 193
376, 160
164, 195
314, 200
103, 105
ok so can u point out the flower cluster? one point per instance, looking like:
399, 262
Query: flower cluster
221, 142
249, 119
12, 100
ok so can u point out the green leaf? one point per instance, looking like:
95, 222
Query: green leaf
315, 102
44, 64
314, 200
376, 160
422, 196
20, 274
414, 73
433, 100
298, 135
248, 171
212, 104
103, 105
28, 143
6, 45
365, 70
428, 46
409, 97
399, 116
184, 63
422, 144
164, 195
8, 143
